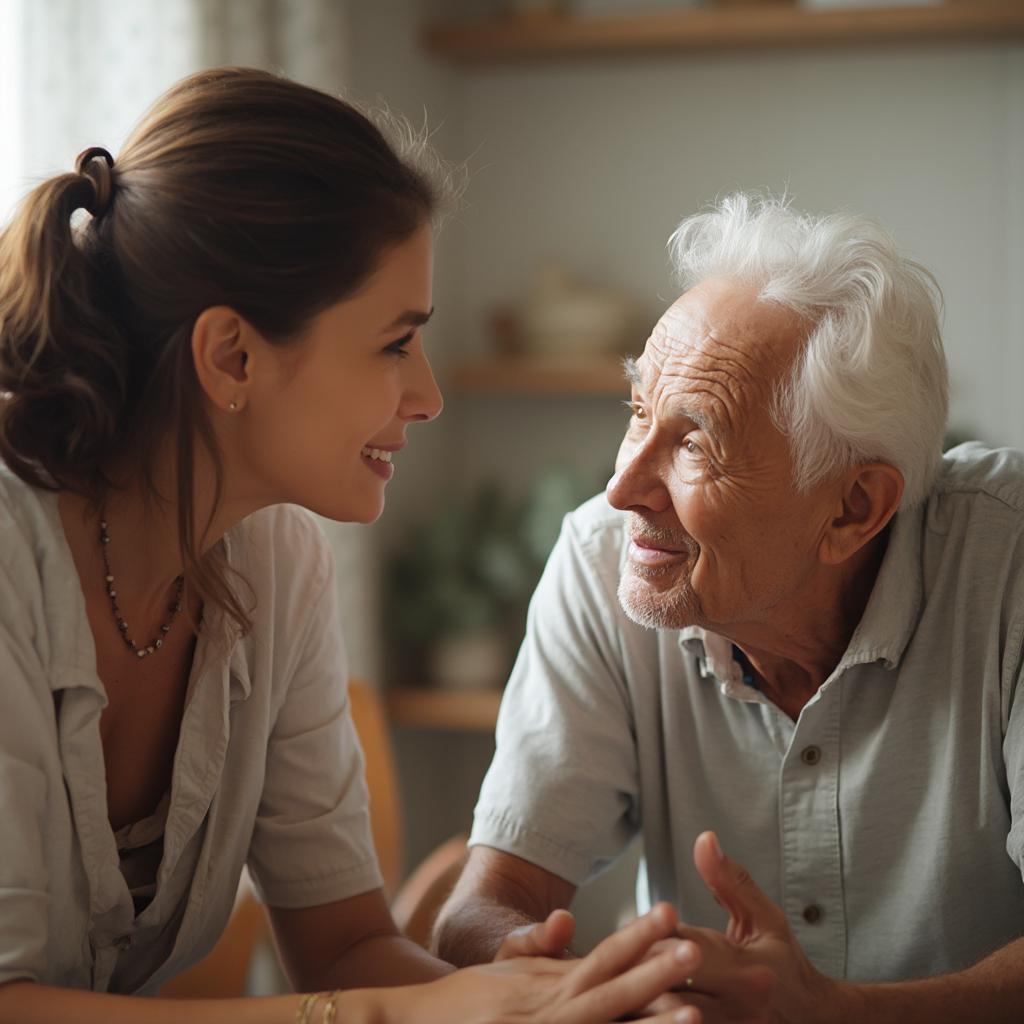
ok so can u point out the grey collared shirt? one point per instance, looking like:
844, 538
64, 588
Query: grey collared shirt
887, 821
267, 772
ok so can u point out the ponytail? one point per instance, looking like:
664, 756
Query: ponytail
63, 369
238, 188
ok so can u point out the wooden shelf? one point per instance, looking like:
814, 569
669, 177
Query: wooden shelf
724, 28
595, 378
456, 710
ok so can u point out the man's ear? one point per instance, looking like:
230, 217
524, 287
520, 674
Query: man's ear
869, 497
222, 348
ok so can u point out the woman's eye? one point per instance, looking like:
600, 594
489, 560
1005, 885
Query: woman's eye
398, 348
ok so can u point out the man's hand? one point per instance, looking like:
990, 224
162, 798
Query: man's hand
756, 972
550, 938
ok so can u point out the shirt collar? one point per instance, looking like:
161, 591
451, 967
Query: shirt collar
882, 634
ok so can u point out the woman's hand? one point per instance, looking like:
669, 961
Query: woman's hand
617, 978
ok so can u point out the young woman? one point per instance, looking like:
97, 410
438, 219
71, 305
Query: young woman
232, 329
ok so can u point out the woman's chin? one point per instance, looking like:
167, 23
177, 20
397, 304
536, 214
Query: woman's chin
347, 511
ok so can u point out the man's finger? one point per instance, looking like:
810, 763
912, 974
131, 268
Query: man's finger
550, 938
749, 987
750, 911
678, 1015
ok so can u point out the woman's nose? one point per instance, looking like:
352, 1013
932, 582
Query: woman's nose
422, 400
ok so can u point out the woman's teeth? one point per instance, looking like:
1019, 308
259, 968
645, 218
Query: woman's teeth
378, 454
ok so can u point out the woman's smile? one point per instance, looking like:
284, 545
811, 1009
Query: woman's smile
379, 460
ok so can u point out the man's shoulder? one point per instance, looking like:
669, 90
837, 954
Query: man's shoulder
597, 527
993, 476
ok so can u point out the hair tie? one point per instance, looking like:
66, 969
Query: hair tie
95, 164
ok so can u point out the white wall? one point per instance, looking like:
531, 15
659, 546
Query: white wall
596, 161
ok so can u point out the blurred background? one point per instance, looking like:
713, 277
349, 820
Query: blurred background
588, 128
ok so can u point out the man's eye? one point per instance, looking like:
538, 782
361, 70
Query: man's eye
691, 447
398, 348
636, 411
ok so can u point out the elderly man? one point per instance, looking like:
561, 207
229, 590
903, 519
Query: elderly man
791, 630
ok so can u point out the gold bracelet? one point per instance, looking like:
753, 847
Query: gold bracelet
306, 1006
331, 1009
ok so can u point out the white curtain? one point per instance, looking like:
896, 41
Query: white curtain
78, 73
81, 73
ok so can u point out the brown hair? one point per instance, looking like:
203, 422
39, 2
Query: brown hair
238, 188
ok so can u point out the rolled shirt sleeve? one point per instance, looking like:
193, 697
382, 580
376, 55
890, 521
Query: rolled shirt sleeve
562, 790
311, 842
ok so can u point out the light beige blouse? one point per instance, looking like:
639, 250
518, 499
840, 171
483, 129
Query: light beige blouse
268, 771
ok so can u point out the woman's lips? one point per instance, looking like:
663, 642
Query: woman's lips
385, 470
378, 458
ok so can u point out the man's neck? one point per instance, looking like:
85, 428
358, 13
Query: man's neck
799, 649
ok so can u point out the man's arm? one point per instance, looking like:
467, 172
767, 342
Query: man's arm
496, 894
990, 991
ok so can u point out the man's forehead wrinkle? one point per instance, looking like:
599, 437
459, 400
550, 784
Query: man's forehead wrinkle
718, 379
717, 352
693, 387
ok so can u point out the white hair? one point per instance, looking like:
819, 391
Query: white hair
871, 381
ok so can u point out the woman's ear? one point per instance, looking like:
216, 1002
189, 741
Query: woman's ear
222, 348
871, 494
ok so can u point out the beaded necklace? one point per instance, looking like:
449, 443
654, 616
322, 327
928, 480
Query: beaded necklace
158, 641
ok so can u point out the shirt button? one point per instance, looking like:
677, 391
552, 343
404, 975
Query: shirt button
810, 755
812, 913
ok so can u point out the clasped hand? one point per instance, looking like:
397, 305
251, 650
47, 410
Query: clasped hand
621, 976
752, 973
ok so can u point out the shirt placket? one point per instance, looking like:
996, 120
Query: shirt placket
110, 906
812, 884
199, 765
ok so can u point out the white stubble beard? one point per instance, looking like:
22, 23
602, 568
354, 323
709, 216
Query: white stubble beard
674, 609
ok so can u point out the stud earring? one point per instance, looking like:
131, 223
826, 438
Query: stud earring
233, 405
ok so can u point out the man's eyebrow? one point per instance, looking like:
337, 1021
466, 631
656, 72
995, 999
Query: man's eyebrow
680, 408
410, 318
677, 407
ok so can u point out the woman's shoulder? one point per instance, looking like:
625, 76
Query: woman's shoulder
285, 568
280, 548
27, 529
282, 531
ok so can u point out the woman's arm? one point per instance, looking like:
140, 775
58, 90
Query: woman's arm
614, 980
25, 1002
347, 943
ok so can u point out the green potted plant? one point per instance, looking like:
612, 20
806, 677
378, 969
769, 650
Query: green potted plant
458, 589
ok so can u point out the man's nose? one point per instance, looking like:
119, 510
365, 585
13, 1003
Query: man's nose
637, 484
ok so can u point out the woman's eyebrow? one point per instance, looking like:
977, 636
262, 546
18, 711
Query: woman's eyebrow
410, 318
